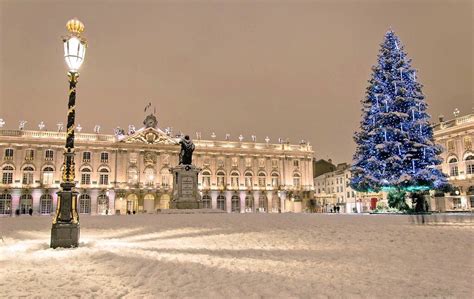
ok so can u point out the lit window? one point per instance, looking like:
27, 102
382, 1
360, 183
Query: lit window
28, 175
235, 204
234, 179
86, 176
46, 204
5, 204
470, 164
262, 179
26, 203
296, 180
275, 181
248, 179
48, 175
221, 179
206, 179
453, 167
206, 201
84, 204
221, 202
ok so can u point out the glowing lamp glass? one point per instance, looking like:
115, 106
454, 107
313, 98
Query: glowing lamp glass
74, 53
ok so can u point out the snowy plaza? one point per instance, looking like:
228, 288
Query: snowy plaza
240, 255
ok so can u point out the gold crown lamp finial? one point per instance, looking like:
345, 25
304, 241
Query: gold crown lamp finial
75, 26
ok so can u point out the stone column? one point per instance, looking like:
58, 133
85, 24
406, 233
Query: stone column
270, 201
283, 201
111, 210
36, 195
242, 201
93, 193
214, 195
256, 200
15, 193
228, 201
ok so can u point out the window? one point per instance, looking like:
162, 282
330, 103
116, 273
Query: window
249, 203
84, 204
235, 204
28, 175
103, 204
206, 201
221, 202
348, 194
132, 175
296, 180
248, 179
165, 177
46, 204
26, 203
48, 175
149, 176
262, 179
104, 176
206, 179
5, 204
29, 154
221, 178
86, 176
275, 180
467, 143
296, 163
104, 157
49, 155
7, 175
470, 164
453, 167
9, 154
234, 179
86, 157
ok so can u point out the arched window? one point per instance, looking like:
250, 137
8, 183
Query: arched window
28, 172
84, 204
262, 179
132, 175
248, 179
249, 206
221, 202
48, 173
149, 176
235, 207
262, 203
5, 204
206, 201
453, 166
103, 176
234, 179
470, 164
103, 204
26, 203
165, 177
206, 179
275, 180
86, 176
46, 204
7, 174
221, 178
296, 180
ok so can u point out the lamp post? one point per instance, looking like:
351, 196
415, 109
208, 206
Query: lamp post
65, 229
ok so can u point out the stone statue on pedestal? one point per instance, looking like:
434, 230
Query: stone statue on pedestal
187, 149
185, 179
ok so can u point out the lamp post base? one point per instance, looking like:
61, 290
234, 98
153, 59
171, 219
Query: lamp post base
65, 235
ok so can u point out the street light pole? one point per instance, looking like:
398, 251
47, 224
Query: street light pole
66, 230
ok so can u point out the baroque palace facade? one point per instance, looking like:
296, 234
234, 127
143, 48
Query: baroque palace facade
121, 174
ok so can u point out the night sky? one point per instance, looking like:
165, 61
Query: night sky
290, 69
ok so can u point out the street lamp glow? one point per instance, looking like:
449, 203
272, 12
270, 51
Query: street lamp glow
74, 45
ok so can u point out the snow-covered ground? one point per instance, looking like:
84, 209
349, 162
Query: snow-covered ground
240, 255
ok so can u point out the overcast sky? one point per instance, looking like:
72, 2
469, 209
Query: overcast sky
291, 69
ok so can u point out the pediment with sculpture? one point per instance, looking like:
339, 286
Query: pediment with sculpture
149, 136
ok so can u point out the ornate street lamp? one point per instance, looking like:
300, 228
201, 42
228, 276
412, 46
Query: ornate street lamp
65, 229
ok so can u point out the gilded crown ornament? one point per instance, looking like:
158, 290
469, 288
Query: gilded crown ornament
75, 26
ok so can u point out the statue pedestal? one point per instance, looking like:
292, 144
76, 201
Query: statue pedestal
185, 187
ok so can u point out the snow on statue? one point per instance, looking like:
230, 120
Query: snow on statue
395, 148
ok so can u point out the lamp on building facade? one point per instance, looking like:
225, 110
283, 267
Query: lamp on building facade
65, 229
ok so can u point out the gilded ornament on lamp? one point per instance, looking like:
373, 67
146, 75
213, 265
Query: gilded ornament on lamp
75, 26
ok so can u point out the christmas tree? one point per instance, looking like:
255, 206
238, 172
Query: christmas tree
395, 148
